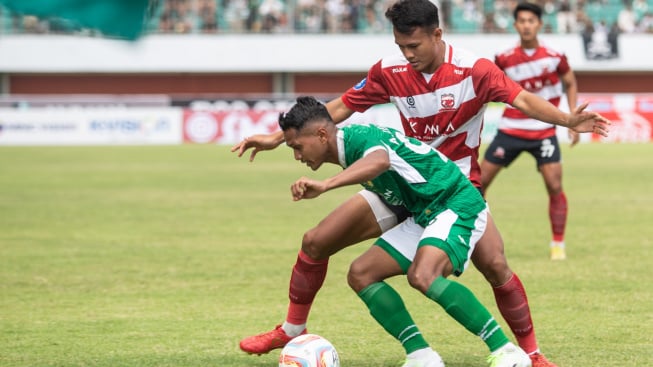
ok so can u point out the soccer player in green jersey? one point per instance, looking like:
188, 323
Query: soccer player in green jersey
449, 216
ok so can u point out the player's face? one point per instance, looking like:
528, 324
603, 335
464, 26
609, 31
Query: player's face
309, 145
420, 48
527, 25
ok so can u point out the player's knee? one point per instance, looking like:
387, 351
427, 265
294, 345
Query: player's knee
495, 270
356, 277
419, 278
554, 189
314, 245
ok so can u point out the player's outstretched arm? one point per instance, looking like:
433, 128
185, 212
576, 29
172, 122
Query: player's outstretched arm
582, 121
337, 109
258, 143
579, 120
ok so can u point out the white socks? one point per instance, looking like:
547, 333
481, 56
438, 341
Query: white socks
292, 329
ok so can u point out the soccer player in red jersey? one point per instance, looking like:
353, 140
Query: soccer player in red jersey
545, 72
441, 93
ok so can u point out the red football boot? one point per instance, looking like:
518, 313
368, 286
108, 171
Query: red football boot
265, 342
539, 360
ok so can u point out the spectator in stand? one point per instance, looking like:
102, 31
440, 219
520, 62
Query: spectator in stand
566, 18
626, 19
253, 22
641, 8
32, 24
489, 26
645, 25
273, 19
349, 20
236, 13
308, 17
502, 15
176, 17
208, 18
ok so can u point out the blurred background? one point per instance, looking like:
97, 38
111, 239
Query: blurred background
214, 71
355, 16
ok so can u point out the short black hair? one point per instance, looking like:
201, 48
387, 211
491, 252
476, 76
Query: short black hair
406, 15
528, 6
305, 110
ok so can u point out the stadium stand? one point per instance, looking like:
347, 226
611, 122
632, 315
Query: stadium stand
353, 16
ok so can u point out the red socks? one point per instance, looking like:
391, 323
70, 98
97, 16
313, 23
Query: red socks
306, 280
513, 305
558, 215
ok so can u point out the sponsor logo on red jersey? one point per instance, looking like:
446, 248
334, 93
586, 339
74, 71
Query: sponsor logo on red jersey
447, 101
360, 84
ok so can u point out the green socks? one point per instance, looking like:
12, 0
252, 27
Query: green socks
388, 309
464, 307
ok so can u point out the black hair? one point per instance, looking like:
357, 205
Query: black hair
528, 6
305, 110
406, 15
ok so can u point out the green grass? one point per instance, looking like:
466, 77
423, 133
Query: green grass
168, 256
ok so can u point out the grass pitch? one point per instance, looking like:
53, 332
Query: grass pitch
168, 256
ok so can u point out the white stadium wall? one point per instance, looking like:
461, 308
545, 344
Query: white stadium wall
269, 53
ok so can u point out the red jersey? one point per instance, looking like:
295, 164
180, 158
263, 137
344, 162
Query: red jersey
538, 71
445, 110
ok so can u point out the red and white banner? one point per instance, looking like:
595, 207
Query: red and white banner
231, 126
227, 127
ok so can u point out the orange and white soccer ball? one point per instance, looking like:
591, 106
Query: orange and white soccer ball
309, 350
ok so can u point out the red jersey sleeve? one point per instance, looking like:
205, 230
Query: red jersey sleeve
498, 61
492, 84
368, 92
563, 65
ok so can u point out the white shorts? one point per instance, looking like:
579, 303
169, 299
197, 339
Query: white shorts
385, 217
455, 236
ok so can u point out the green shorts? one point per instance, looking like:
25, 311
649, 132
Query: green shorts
455, 236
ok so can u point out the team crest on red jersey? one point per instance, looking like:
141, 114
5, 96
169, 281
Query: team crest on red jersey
447, 101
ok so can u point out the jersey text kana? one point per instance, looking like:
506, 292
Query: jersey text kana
419, 178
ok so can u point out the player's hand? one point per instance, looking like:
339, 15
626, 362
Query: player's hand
257, 143
574, 137
588, 122
306, 188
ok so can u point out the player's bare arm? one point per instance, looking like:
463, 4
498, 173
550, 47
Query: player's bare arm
360, 171
338, 110
579, 120
571, 91
258, 143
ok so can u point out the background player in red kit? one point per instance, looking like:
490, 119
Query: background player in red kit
545, 72
441, 93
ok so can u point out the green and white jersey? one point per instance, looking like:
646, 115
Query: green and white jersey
420, 178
